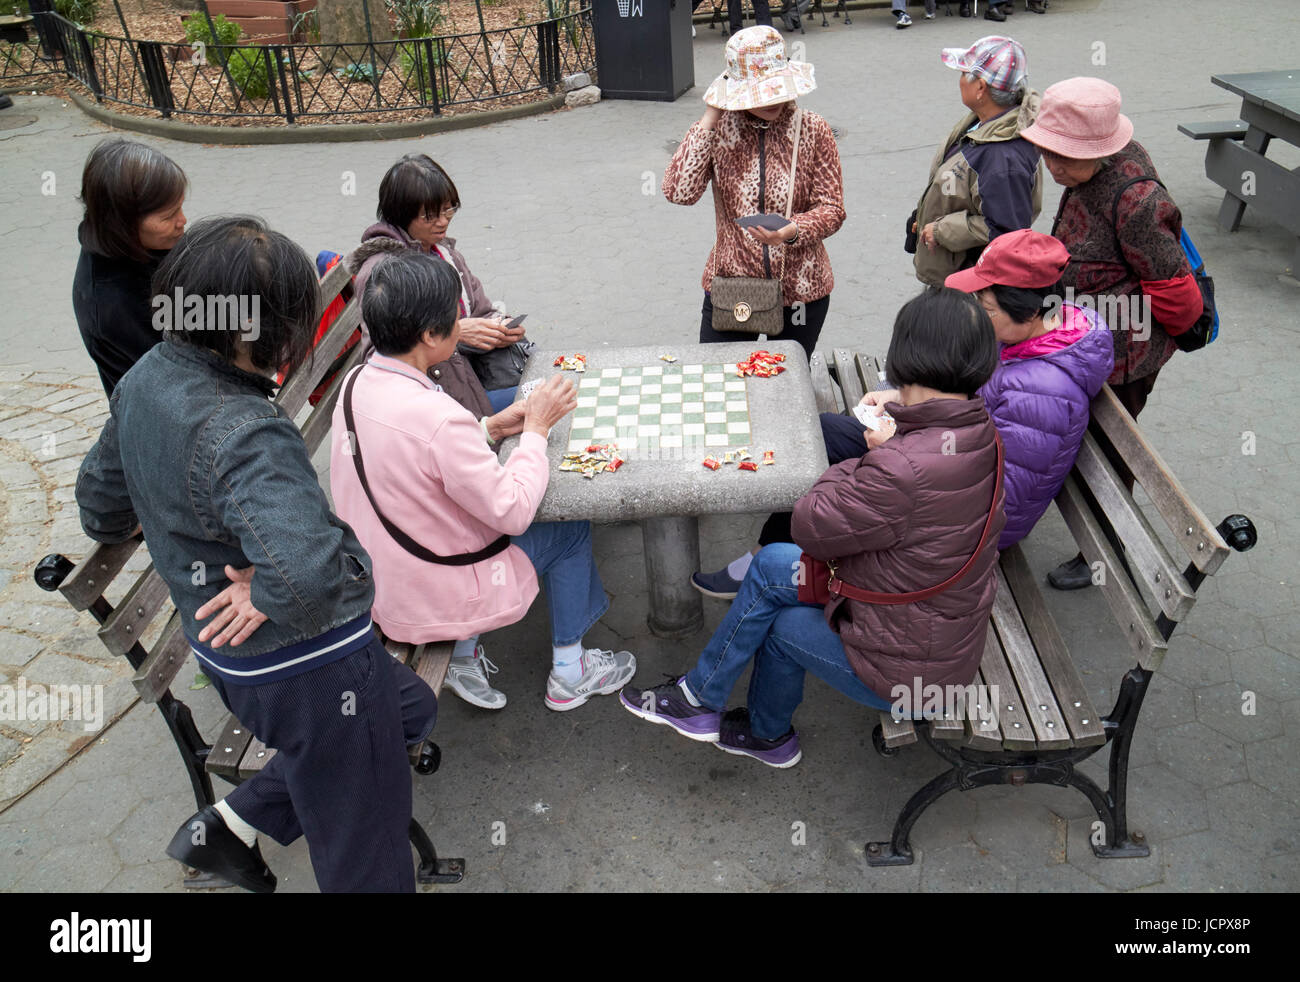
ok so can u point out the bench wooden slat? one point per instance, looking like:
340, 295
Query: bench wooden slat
897, 733
1146, 554
228, 749
317, 425
431, 661
1071, 696
1017, 732
978, 735
155, 675
1225, 129
86, 583
847, 372
1125, 602
256, 756
333, 283
130, 619
293, 394
869, 372
823, 388
1040, 703
1194, 532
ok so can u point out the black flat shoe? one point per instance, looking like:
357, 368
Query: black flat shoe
1074, 574
965, 10
1036, 6
220, 851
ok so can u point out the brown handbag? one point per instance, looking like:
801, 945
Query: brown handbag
820, 581
754, 304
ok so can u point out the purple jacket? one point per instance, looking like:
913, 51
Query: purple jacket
1040, 404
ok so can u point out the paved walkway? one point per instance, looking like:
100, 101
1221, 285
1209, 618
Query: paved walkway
563, 219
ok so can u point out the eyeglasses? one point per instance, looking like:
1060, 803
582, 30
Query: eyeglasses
448, 213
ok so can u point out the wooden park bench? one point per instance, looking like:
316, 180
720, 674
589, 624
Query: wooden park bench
237, 754
1044, 723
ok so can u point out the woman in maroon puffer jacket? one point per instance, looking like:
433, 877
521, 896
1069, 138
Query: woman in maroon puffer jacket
903, 518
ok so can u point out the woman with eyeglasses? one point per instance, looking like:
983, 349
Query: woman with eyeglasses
417, 201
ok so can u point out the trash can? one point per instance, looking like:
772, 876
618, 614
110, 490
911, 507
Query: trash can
643, 48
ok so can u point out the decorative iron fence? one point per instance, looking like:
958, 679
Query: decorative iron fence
294, 82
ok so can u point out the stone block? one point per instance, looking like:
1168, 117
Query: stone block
579, 81
583, 97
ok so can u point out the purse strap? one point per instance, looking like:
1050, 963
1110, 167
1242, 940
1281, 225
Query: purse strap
400, 537
789, 198
839, 588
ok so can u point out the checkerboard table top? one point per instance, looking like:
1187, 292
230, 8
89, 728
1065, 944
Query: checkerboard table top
644, 409
666, 417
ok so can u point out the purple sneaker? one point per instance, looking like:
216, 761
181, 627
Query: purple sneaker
718, 585
667, 704
735, 738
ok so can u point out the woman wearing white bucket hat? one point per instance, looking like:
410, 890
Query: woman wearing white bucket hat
745, 144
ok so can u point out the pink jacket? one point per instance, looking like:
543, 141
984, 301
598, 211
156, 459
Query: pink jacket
435, 477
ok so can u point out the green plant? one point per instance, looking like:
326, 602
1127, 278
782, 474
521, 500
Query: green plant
197, 32
306, 24
356, 72
418, 18
78, 11
247, 69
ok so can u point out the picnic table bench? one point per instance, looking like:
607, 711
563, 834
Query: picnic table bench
236, 754
1236, 160
1027, 718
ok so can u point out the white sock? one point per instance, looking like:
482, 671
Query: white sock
690, 696
466, 648
247, 834
737, 568
566, 662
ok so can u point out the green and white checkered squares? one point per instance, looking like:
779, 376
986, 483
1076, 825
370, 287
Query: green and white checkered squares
653, 408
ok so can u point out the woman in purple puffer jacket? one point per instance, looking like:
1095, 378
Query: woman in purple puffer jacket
1054, 360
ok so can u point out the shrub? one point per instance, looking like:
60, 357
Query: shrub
196, 32
248, 70
78, 11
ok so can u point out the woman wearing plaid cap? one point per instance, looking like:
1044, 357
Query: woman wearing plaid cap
744, 145
985, 179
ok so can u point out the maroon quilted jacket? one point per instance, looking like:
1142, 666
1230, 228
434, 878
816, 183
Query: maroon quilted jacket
905, 517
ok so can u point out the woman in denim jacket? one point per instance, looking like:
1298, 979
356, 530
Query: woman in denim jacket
218, 478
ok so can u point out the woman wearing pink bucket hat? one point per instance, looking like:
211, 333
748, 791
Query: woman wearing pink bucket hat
745, 145
1122, 230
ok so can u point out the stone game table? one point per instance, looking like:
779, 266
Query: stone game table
666, 488
1270, 107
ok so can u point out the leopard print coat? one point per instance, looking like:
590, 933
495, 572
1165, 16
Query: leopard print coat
728, 155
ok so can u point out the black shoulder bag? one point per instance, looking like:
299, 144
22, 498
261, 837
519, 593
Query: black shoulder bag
400, 537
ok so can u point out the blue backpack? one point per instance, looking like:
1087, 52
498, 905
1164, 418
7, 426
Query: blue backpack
1206, 328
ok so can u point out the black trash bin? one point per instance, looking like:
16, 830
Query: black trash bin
643, 48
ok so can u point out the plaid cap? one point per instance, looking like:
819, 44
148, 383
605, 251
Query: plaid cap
999, 61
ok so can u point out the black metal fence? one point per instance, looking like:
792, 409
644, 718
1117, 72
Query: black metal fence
294, 82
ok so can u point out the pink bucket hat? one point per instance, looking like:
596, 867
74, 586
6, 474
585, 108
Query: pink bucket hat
1080, 119
758, 73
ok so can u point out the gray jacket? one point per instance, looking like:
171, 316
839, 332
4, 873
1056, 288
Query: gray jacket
217, 475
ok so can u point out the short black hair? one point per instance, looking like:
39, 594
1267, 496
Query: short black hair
122, 182
407, 294
414, 186
238, 256
1023, 303
944, 340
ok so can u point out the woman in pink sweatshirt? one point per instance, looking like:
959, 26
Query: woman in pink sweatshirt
450, 529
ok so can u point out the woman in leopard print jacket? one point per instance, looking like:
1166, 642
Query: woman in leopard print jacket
744, 144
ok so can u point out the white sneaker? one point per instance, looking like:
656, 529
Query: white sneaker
603, 673
467, 677
903, 21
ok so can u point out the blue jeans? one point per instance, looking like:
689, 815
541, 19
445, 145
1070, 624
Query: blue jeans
561, 554
784, 638
500, 398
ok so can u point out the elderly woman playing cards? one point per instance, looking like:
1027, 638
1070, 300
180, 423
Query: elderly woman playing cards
745, 145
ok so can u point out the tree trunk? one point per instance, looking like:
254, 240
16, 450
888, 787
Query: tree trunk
343, 21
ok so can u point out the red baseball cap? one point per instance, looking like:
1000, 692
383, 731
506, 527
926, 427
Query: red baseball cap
1023, 258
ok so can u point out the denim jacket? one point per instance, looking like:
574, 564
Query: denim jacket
217, 474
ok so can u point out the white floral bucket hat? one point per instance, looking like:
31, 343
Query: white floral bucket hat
759, 73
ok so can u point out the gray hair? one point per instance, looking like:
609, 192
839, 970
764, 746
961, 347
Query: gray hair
1004, 98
